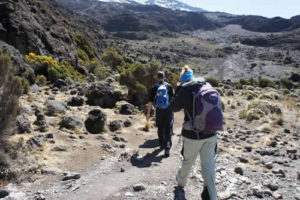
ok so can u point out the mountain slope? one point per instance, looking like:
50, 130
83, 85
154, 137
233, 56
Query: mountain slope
172, 4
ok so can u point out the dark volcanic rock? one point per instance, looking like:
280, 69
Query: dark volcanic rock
76, 101
126, 108
103, 94
96, 121
3, 193
115, 125
60, 83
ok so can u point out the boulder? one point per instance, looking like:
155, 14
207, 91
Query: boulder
126, 108
55, 107
96, 121
105, 94
59, 83
41, 122
23, 124
71, 122
76, 101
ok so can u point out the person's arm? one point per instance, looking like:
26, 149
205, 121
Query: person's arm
177, 102
149, 106
151, 100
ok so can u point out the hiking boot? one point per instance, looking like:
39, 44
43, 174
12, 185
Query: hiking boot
167, 152
179, 193
205, 194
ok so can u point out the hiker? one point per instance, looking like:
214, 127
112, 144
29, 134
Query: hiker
203, 117
160, 95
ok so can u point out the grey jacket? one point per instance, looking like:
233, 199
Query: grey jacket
183, 99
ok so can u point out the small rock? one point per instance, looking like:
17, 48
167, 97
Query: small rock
138, 187
287, 131
71, 176
269, 165
115, 125
60, 148
243, 160
276, 195
239, 170
73, 92
96, 121
59, 83
257, 191
122, 169
248, 148
127, 123
71, 122
273, 187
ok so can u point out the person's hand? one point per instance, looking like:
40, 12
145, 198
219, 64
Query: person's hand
148, 116
179, 83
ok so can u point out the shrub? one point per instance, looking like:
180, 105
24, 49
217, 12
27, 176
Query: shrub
263, 82
41, 80
254, 114
83, 44
40, 64
212, 81
113, 59
83, 57
139, 79
243, 114
62, 71
10, 90
265, 106
25, 86
287, 83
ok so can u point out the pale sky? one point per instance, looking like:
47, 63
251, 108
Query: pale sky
266, 8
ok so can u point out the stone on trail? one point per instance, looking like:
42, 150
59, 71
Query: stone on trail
139, 187
71, 176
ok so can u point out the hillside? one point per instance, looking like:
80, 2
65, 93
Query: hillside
74, 82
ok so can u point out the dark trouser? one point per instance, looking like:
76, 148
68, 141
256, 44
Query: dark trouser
164, 123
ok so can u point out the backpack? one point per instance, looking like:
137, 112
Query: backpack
162, 97
207, 111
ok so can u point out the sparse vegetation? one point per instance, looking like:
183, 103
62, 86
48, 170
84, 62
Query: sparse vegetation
287, 83
10, 90
263, 83
49, 68
113, 59
212, 81
243, 114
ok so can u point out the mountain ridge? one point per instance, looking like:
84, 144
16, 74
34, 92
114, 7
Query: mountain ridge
172, 4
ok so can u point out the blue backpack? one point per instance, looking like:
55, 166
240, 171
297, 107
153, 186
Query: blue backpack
162, 97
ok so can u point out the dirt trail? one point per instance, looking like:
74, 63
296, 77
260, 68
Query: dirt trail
114, 178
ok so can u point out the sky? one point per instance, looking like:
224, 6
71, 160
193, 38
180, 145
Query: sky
266, 8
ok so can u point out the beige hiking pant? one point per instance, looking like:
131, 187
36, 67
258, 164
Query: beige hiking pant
206, 148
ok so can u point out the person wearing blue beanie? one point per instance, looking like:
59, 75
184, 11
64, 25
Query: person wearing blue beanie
186, 74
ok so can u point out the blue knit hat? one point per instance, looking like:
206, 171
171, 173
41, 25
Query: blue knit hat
187, 75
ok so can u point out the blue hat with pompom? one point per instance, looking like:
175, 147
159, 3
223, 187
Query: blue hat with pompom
187, 75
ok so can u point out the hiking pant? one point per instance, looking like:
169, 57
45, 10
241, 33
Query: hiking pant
206, 148
164, 123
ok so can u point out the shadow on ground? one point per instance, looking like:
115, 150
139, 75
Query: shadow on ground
150, 144
147, 160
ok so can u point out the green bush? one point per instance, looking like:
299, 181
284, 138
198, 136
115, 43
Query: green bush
41, 80
83, 57
25, 85
212, 81
263, 83
40, 64
243, 114
113, 59
11, 89
139, 78
62, 71
83, 44
287, 83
